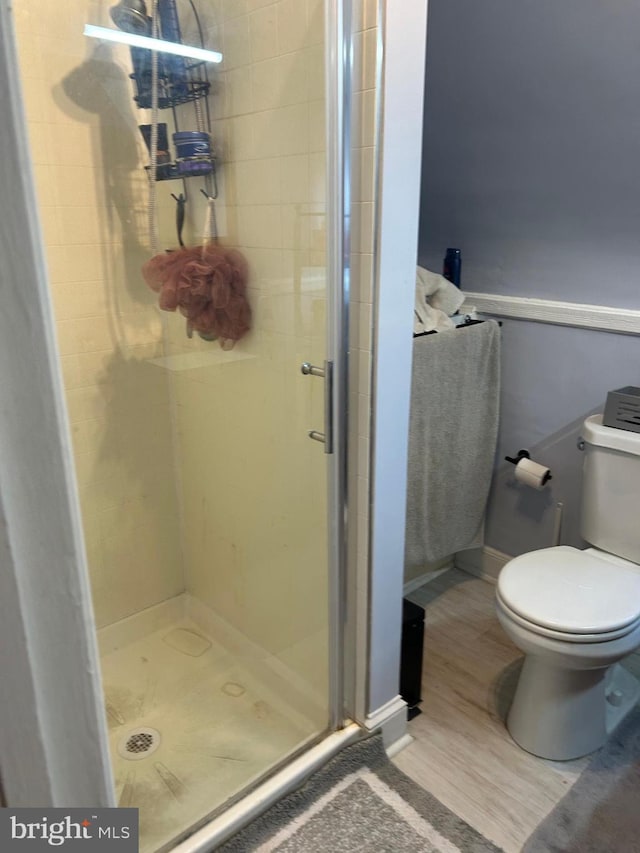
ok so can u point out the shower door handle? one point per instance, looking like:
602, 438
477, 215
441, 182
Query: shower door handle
325, 373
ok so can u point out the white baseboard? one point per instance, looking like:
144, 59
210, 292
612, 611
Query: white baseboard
485, 563
398, 745
425, 577
391, 720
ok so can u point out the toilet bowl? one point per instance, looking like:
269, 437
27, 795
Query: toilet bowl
574, 614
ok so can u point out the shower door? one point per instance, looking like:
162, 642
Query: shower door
210, 479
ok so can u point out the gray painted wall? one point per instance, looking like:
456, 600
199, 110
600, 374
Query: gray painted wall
531, 166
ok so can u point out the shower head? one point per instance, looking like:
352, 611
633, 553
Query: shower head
131, 16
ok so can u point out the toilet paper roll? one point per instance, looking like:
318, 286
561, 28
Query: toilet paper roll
532, 474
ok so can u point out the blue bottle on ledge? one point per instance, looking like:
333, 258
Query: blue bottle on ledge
452, 266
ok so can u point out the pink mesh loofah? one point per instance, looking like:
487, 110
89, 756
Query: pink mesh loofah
207, 284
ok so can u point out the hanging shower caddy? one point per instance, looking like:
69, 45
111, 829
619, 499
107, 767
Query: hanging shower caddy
206, 283
180, 82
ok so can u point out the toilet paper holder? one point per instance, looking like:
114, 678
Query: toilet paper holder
524, 454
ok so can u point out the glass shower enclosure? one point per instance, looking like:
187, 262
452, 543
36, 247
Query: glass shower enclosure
203, 494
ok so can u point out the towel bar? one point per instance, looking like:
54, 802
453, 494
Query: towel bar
461, 326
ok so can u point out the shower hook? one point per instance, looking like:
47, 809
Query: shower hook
208, 196
212, 176
180, 205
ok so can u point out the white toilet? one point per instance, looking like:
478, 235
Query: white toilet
577, 613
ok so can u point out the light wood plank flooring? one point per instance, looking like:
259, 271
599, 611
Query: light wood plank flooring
462, 752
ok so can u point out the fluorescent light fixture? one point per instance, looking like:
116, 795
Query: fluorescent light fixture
134, 40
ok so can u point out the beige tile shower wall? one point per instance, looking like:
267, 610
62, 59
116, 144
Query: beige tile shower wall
363, 188
88, 159
254, 489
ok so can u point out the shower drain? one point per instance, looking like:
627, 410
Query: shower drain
138, 743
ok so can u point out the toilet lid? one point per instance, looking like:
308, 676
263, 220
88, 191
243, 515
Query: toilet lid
571, 591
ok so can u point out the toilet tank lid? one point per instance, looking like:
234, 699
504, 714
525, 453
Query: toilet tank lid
594, 432
572, 591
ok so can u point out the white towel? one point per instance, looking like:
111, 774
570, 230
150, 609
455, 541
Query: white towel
428, 319
436, 299
438, 291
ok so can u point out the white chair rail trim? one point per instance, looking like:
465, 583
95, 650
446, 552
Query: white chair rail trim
602, 318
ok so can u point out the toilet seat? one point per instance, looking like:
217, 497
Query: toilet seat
565, 636
576, 596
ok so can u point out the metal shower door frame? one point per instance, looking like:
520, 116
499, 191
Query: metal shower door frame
44, 697
338, 74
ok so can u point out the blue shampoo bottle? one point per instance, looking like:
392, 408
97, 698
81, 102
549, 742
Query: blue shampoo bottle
452, 266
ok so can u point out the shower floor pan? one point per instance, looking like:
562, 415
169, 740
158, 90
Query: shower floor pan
189, 726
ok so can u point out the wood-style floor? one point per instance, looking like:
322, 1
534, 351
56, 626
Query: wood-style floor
462, 752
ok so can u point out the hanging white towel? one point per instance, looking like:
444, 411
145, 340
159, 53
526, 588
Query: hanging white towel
428, 319
436, 299
438, 291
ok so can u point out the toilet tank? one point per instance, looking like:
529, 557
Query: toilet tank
610, 518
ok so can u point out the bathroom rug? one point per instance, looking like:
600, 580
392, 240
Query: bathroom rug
359, 802
600, 814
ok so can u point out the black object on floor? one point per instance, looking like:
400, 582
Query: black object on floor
411, 656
